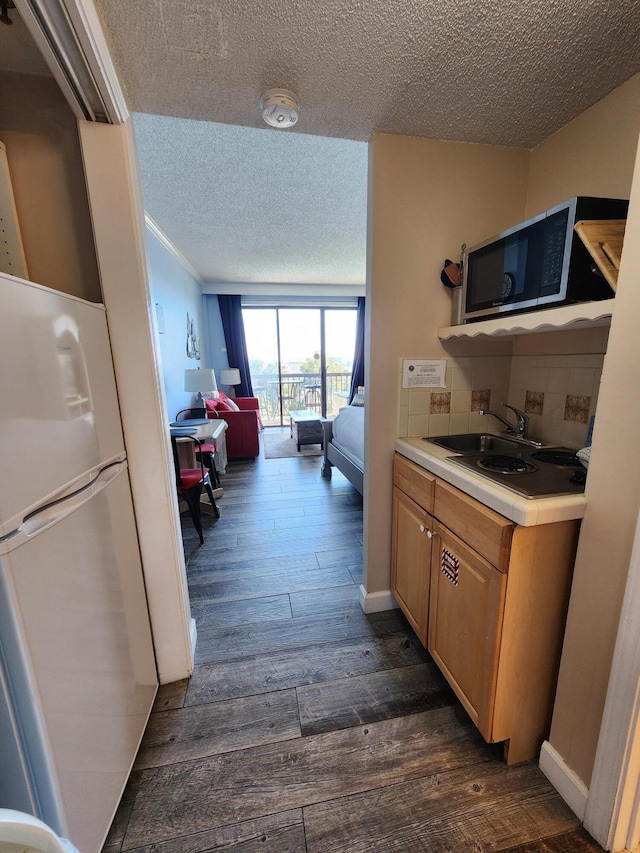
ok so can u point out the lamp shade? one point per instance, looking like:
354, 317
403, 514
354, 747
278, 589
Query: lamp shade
202, 380
230, 376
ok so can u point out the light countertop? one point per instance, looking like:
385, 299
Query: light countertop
525, 511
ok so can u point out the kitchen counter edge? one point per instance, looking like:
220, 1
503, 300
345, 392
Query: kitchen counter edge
524, 511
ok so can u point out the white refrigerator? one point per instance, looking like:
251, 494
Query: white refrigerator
77, 669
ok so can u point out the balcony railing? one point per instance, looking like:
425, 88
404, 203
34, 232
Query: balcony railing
298, 391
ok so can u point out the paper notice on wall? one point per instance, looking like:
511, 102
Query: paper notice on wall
423, 373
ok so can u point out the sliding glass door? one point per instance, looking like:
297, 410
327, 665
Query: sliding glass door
340, 340
300, 358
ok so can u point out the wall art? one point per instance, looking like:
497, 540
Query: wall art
193, 344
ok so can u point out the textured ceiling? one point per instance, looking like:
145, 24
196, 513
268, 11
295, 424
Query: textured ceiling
509, 72
265, 205
243, 203
246, 205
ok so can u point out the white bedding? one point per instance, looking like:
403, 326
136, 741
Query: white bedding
348, 433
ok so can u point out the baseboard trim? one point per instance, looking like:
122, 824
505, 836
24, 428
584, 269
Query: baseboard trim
570, 787
374, 602
193, 634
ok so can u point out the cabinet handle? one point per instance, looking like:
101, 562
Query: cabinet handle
422, 528
429, 534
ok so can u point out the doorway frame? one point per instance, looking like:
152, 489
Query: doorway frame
612, 813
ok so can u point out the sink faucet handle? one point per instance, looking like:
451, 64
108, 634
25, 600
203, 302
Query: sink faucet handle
510, 429
523, 420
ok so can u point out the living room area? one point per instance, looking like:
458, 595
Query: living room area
290, 353
265, 371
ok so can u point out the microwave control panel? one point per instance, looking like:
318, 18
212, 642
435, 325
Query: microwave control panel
554, 254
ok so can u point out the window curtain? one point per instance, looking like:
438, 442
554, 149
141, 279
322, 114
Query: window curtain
233, 327
357, 376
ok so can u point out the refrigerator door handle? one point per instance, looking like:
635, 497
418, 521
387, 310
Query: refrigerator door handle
9, 526
44, 518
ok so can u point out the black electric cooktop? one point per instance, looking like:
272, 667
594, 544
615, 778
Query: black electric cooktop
534, 473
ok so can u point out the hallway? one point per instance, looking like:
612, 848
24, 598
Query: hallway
307, 726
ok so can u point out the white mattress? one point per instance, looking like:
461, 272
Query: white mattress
348, 433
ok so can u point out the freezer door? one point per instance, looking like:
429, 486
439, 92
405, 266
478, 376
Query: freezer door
60, 420
76, 641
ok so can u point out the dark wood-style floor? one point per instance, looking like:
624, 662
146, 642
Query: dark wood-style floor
307, 726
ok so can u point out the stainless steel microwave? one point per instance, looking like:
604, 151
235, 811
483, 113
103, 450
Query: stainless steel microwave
540, 263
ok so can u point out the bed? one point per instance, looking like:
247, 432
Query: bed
344, 445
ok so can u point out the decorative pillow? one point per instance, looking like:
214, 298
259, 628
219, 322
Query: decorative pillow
232, 404
358, 397
223, 406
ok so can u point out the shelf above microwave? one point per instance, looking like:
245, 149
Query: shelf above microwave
583, 315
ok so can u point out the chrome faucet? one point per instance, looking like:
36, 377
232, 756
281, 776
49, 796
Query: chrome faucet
522, 427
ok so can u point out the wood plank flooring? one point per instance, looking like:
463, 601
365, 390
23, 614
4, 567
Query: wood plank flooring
308, 727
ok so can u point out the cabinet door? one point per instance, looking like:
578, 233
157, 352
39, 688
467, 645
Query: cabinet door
411, 561
465, 623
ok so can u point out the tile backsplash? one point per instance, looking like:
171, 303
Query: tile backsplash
471, 384
577, 409
559, 393
440, 403
480, 399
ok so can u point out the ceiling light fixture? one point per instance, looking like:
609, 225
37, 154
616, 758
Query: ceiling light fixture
279, 108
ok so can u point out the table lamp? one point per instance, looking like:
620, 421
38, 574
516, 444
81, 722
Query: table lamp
200, 382
231, 377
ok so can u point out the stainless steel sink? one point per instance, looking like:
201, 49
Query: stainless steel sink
477, 442
519, 465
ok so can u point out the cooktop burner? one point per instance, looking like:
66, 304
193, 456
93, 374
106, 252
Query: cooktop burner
557, 457
505, 464
557, 471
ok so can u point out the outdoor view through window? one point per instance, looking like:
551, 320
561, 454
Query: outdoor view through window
300, 358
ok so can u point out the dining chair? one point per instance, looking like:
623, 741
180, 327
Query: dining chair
206, 450
190, 483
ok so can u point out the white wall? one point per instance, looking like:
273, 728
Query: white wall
426, 198
175, 293
593, 155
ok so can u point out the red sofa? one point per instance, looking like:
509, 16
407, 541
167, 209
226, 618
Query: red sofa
243, 433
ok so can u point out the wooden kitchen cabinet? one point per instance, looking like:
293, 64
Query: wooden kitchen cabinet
413, 527
411, 561
490, 596
467, 602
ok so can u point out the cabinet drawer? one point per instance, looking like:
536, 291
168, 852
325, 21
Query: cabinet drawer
486, 531
414, 481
